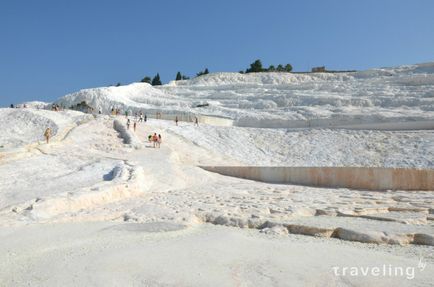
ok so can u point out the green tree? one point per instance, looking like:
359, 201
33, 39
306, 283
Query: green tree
288, 68
271, 68
255, 67
204, 72
280, 68
118, 84
146, 79
156, 80
178, 76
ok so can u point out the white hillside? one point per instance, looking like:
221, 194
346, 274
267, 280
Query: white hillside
99, 197
404, 93
34, 105
137, 96
25, 126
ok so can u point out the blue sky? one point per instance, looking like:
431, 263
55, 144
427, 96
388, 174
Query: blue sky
52, 47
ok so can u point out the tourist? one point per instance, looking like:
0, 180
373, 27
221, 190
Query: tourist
128, 124
155, 140
196, 121
135, 124
176, 120
159, 140
47, 135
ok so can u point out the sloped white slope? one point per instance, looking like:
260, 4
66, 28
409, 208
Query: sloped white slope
157, 201
404, 93
313, 147
136, 96
25, 126
34, 105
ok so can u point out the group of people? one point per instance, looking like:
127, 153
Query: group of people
115, 112
155, 139
129, 123
140, 117
56, 107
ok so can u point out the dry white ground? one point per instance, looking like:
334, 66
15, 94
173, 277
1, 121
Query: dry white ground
100, 206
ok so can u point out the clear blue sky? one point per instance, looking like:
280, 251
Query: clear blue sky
52, 47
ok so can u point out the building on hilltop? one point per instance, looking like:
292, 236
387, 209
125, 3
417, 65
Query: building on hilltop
321, 69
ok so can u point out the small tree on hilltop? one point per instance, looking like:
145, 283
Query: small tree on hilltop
280, 68
288, 68
156, 80
180, 76
203, 72
146, 80
271, 68
118, 84
255, 67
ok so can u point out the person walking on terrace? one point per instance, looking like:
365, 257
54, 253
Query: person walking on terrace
155, 140
47, 135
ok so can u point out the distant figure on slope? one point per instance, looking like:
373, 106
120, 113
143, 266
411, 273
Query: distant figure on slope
196, 121
128, 124
134, 125
159, 140
146, 118
47, 135
55, 107
176, 120
141, 117
155, 140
